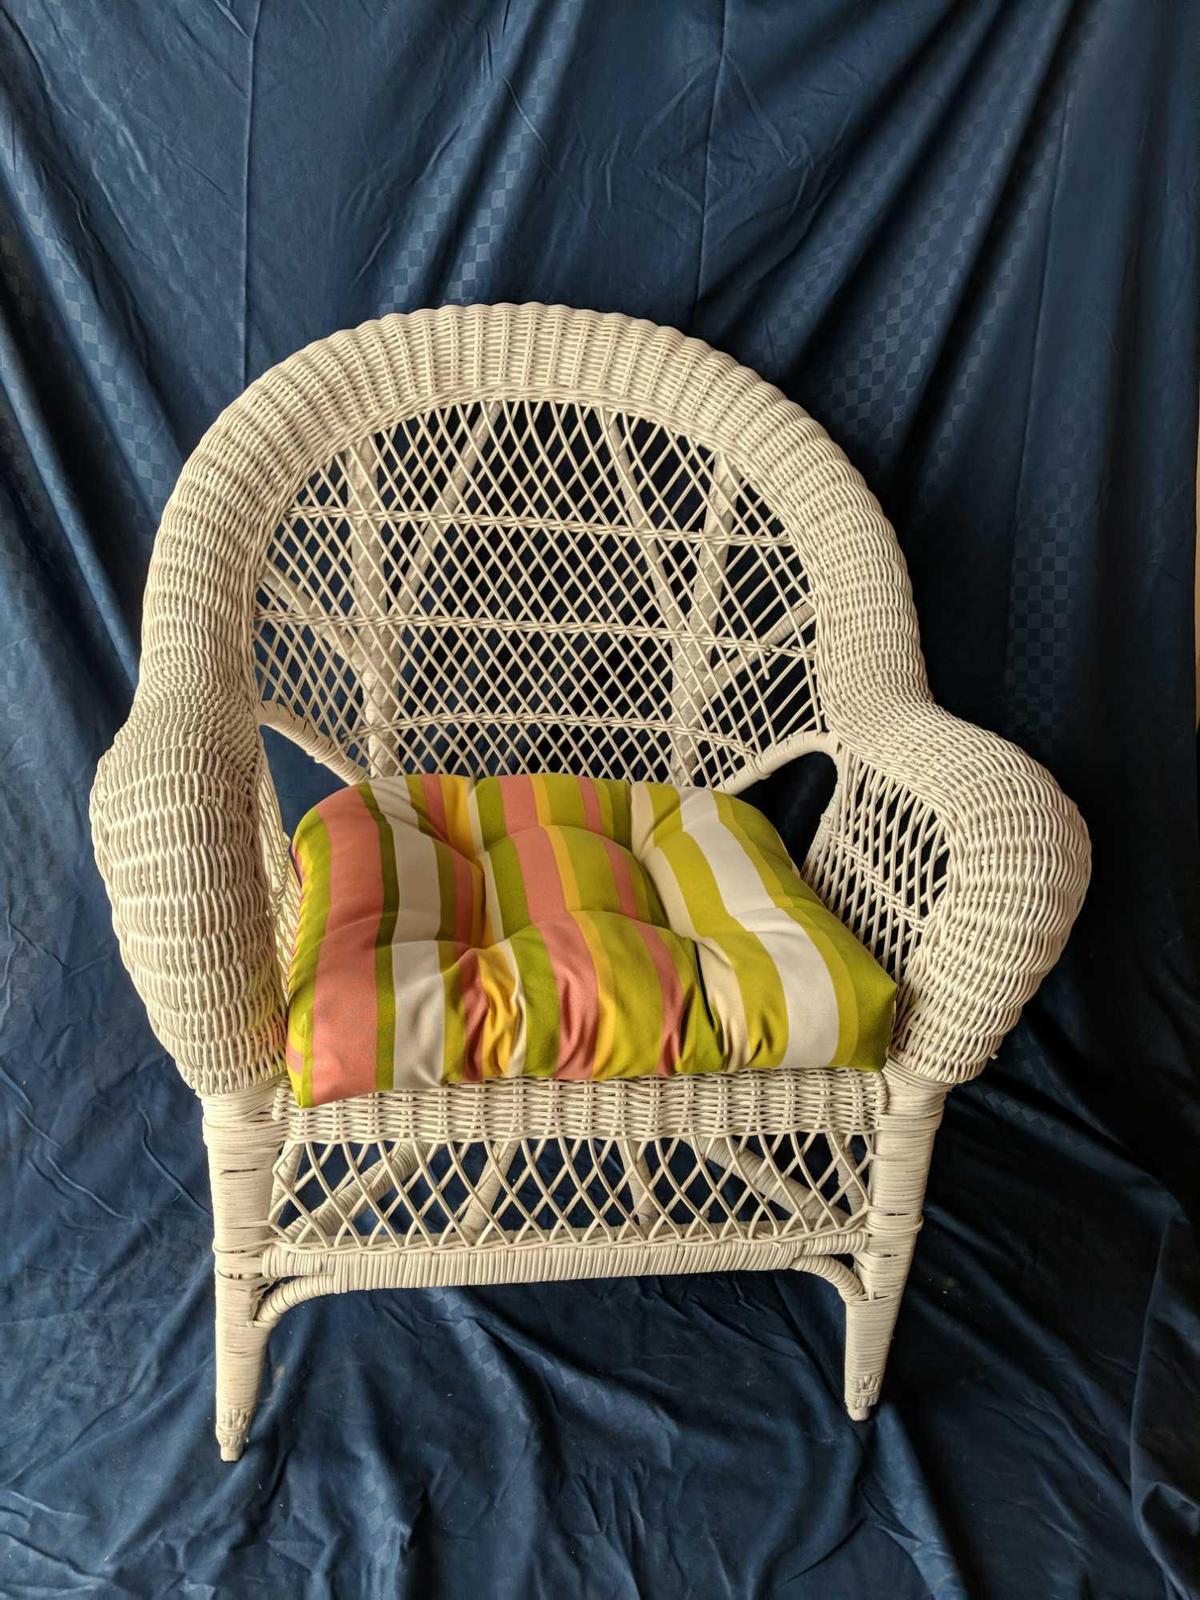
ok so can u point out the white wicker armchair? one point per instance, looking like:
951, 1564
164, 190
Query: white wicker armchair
527, 538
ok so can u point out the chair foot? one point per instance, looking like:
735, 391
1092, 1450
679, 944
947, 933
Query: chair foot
862, 1393
243, 1141
241, 1350
869, 1325
232, 1428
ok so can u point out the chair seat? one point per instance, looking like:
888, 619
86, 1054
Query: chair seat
453, 929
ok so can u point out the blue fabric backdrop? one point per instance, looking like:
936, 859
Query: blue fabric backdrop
962, 235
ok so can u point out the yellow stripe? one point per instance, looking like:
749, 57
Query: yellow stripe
566, 868
314, 854
541, 800
500, 1021
460, 822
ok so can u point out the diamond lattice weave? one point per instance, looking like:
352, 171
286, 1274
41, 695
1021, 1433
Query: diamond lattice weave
562, 927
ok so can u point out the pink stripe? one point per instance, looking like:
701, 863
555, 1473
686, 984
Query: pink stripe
578, 996
623, 878
591, 804
474, 1005
344, 1000
519, 800
435, 803
539, 869
671, 1040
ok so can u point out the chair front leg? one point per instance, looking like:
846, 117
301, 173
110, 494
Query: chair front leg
243, 1141
899, 1169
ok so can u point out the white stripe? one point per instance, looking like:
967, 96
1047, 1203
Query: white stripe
420, 992
720, 992
419, 902
808, 990
417, 981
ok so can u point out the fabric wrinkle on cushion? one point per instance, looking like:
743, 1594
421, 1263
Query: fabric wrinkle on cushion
454, 929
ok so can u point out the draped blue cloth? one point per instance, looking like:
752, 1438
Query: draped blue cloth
965, 238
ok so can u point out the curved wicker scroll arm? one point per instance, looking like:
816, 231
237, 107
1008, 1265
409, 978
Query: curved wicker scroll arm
175, 830
949, 817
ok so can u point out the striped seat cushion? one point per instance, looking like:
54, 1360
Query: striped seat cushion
454, 929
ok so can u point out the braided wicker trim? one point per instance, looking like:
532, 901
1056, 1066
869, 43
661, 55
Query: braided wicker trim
838, 1101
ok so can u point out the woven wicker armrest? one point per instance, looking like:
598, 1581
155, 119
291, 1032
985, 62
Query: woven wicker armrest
943, 828
173, 818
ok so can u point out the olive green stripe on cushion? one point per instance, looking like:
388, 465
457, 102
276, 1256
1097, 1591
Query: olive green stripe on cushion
312, 854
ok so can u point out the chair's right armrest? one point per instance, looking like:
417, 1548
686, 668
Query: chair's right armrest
174, 829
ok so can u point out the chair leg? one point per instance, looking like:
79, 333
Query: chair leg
241, 1349
243, 1142
869, 1325
899, 1169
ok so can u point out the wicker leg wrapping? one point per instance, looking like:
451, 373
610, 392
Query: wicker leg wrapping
903, 1144
243, 1141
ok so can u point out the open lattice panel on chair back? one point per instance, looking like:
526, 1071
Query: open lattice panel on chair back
527, 584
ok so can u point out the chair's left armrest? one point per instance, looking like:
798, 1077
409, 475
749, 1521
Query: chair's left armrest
961, 860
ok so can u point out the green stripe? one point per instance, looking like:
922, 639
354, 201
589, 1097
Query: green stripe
540, 990
314, 854
619, 796
699, 1045
509, 882
564, 797
385, 992
645, 895
665, 810
592, 864
489, 808
634, 1001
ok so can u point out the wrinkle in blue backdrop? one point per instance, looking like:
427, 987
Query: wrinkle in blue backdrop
964, 237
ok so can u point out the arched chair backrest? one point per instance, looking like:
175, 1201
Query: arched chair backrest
531, 538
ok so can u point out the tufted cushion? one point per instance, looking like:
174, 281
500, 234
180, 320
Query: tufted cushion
453, 929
